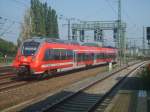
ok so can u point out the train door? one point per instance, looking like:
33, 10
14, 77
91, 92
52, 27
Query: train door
95, 57
74, 59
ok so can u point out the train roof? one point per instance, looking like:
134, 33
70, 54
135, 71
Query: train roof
35, 39
69, 44
52, 40
90, 44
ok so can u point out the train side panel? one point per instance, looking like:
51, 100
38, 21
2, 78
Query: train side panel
50, 57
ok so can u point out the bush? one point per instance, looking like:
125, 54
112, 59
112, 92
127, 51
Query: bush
145, 78
8, 48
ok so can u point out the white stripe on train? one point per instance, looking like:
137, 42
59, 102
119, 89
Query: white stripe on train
57, 64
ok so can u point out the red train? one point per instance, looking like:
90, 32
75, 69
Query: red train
41, 55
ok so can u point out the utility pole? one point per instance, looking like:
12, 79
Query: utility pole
143, 40
125, 60
119, 33
134, 50
69, 29
130, 49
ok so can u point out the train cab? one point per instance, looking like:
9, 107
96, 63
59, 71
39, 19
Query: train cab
26, 56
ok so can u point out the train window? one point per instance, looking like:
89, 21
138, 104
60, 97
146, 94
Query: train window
79, 57
93, 55
104, 55
29, 48
90, 57
57, 54
108, 55
69, 54
96, 56
51, 54
86, 57
113, 56
63, 54
46, 57
83, 57
100, 56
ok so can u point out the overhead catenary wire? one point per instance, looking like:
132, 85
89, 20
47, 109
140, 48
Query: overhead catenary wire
7, 29
8, 24
112, 8
21, 3
2, 23
127, 15
10, 20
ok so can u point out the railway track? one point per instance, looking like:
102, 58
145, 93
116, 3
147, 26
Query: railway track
8, 76
7, 79
10, 81
6, 72
10, 85
80, 99
5, 68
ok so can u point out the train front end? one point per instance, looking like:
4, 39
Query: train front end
26, 61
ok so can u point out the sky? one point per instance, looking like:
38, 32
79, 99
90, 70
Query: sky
135, 13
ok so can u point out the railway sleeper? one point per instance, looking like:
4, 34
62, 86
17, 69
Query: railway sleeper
83, 102
76, 104
69, 109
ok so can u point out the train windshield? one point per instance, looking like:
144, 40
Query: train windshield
29, 48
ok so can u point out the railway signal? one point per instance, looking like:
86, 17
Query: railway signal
82, 35
98, 35
148, 34
74, 34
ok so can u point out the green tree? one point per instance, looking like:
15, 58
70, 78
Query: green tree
39, 20
35, 17
54, 24
48, 23
7, 47
44, 20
